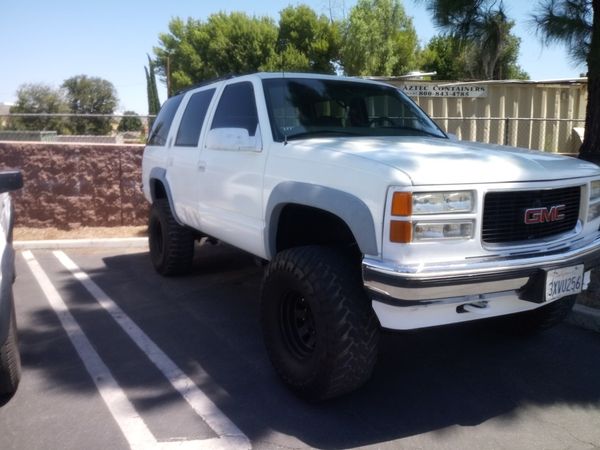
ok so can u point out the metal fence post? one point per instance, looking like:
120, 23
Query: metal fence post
506, 130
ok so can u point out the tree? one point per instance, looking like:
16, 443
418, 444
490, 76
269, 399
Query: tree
90, 95
447, 56
576, 23
507, 67
378, 39
483, 27
459, 59
153, 100
313, 38
130, 122
224, 44
288, 58
38, 99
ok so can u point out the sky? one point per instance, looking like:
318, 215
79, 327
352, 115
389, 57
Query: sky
50, 41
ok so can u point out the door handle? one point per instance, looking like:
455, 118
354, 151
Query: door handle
201, 166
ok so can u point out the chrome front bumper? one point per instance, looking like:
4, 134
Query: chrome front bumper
403, 285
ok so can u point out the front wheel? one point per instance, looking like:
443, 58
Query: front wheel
319, 328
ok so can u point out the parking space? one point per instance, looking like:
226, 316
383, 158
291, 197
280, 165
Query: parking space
115, 356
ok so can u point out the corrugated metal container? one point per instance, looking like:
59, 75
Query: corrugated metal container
542, 115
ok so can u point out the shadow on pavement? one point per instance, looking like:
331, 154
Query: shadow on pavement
208, 324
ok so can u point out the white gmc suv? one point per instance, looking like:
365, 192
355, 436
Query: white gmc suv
369, 216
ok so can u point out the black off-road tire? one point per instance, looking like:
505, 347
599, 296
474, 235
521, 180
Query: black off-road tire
319, 328
540, 319
171, 245
10, 361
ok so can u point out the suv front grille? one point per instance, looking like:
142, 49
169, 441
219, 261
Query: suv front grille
504, 214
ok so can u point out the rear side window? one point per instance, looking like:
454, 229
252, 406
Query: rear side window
160, 129
237, 108
193, 118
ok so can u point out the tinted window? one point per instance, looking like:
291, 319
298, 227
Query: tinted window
193, 118
304, 107
162, 123
237, 108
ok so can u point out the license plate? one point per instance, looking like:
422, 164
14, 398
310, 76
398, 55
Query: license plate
563, 282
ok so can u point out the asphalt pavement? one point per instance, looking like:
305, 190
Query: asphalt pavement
115, 356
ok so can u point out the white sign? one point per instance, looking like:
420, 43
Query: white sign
440, 90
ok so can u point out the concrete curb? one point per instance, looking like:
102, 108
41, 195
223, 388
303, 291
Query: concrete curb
585, 317
57, 244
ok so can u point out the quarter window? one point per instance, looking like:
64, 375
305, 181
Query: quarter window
160, 129
193, 118
237, 108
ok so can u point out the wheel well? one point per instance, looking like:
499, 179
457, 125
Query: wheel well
158, 190
303, 225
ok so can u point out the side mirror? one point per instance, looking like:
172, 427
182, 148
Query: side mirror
10, 180
235, 139
452, 136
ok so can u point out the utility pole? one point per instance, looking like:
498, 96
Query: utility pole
168, 75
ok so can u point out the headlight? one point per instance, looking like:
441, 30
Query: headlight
423, 231
442, 202
594, 205
407, 205
595, 191
593, 211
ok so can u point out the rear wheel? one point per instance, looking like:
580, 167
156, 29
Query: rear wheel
171, 245
319, 328
10, 361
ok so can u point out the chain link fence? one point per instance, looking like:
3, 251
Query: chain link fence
83, 128
550, 135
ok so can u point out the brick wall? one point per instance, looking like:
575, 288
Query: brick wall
72, 185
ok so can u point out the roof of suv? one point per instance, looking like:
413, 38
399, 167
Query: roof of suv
271, 75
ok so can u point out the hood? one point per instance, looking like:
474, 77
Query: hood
431, 161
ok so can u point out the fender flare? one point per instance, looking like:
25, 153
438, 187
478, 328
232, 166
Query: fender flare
160, 174
350, 209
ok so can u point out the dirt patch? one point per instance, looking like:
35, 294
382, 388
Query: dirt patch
40, 234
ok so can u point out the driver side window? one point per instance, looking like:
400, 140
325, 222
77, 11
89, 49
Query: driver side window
237, 108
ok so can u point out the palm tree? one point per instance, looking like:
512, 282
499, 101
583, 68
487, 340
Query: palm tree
481, 24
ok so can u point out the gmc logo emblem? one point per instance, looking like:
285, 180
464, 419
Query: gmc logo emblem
543, 215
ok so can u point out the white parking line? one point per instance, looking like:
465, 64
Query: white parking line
131, 424
133, 427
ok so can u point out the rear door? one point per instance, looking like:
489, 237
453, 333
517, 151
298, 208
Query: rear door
184, 172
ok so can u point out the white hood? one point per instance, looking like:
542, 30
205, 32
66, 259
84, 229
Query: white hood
430, 161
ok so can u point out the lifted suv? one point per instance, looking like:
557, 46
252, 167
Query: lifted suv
369, 215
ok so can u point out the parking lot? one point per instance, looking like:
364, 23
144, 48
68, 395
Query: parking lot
114, 356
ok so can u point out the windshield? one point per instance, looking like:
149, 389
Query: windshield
301, 108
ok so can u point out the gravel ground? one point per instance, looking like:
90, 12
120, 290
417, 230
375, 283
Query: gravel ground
30, 234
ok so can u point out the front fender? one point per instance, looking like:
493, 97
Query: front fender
352, 210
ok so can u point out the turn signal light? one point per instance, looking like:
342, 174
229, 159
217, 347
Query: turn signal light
402, 204
400, 231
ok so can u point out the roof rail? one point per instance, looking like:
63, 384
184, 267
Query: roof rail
209, 81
